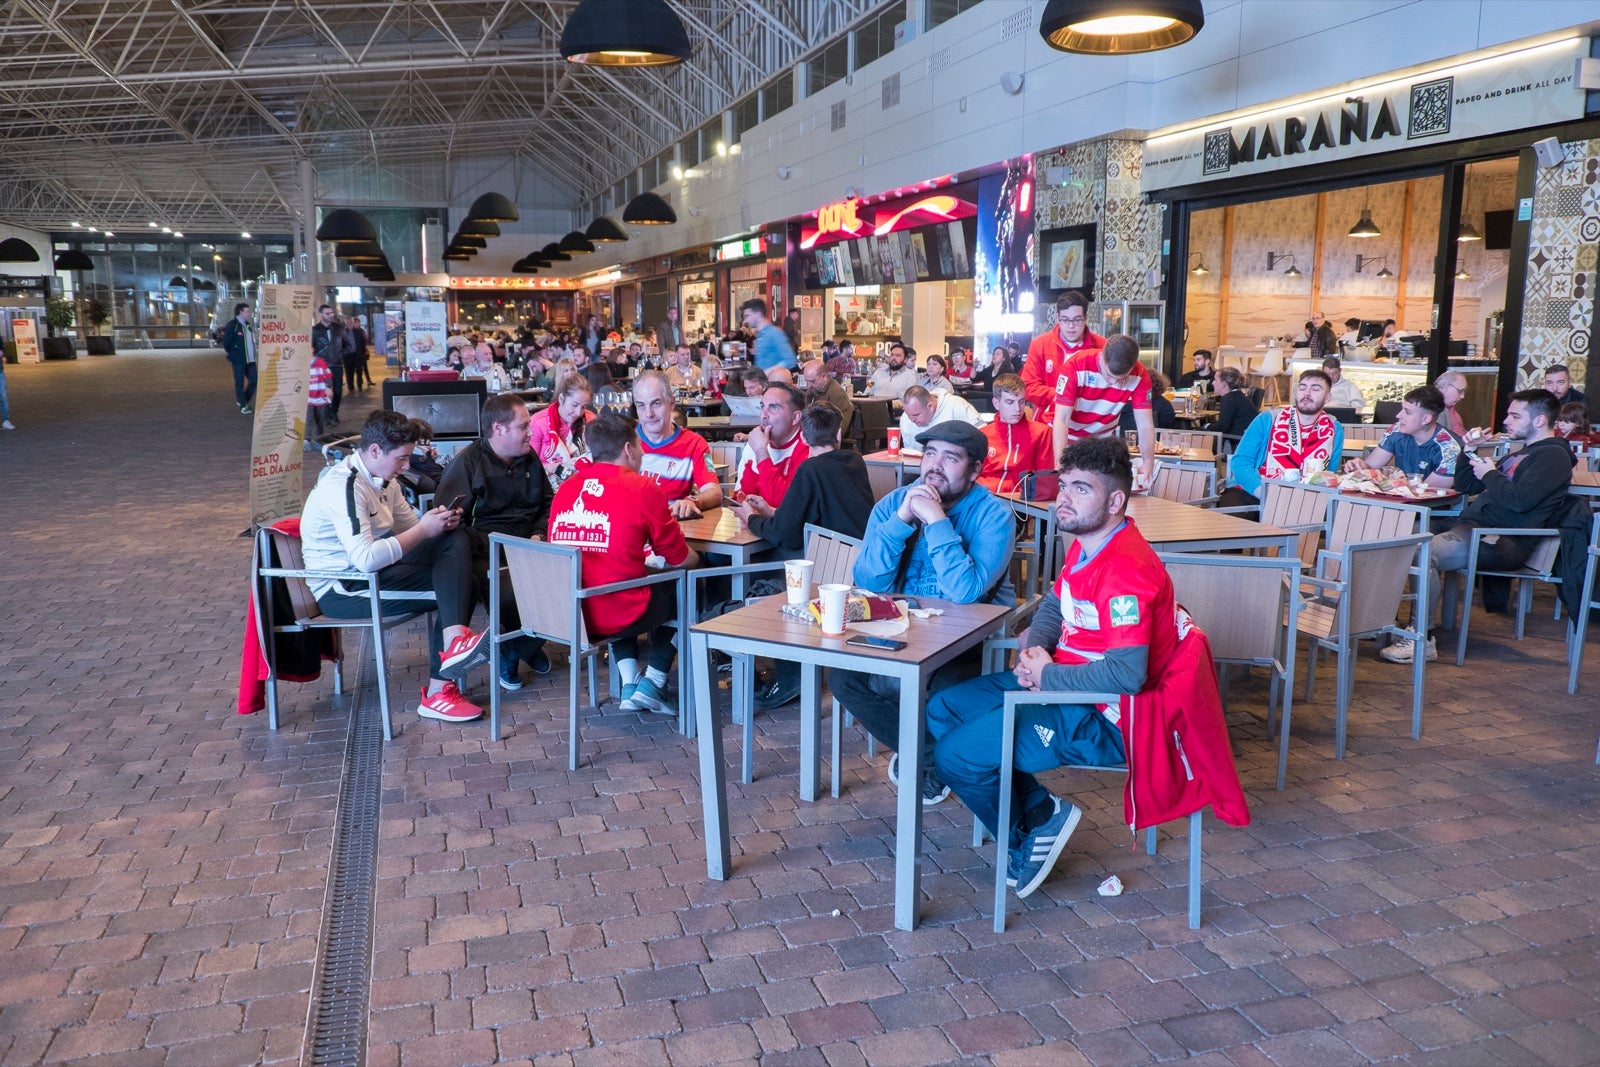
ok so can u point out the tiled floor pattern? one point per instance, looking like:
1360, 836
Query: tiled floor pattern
163, 860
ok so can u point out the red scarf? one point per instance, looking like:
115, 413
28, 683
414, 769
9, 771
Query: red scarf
1289, 444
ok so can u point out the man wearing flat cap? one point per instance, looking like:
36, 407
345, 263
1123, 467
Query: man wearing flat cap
944, 537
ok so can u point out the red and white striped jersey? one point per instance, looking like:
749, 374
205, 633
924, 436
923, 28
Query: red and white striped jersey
1093, 400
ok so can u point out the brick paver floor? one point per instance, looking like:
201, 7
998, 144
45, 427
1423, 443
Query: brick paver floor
163, 860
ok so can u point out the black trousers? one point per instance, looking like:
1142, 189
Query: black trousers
442, 565
875, 700
336, 375
244, 383
355, 371
663, 608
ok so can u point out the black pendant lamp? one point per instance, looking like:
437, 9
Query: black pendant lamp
344, 226
648, 209
1119, 27
177, 282
522, 266
605, 230
16, 250
454, 254
479, 228
1364, 226
625, 33
467, 240
492, 207
576, 243
73, 259
553, 253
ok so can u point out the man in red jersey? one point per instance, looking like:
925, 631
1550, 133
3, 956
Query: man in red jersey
1048, 353
677, 459
618, 518
1110, 624
1092, 389
774, 450
1017, 444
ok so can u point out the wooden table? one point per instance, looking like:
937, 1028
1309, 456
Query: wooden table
1586, 483
720, 532
1170, 526
890, 470
761, 629
720, 425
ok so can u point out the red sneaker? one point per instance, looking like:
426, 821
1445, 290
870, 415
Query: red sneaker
463, 654
448, 705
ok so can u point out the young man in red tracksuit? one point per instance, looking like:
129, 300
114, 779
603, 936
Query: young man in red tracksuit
1048, 353
1110, 625
1017, 444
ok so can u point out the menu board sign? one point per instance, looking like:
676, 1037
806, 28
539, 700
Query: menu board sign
283, 358
26, 332
1511, 91
939, 252
425, 335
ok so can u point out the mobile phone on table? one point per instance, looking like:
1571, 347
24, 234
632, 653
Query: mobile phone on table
886, 643
455, 505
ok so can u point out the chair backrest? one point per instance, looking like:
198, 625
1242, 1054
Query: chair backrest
728, 453
875, 415
1375, 573
1367, 433
1343, 414
1354, 519
1543, 557
1294, 506
1384, 412
884, 479
546, 579
1183, 484
833, 555
287, 548
1212, 587
1202, 439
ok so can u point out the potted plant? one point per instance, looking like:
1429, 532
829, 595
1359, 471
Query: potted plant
96, 314
58, 315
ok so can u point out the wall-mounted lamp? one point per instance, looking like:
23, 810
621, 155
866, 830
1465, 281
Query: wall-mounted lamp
1468, 232
1362, 262
1462, 275
1274, 258
1199, 268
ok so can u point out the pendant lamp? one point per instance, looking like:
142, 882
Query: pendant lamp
492, 207
1468, 232
451, 254
467, 240
522, 266
1119, 27
1364, 226
72, 259
343, 226
176, 282
576, 243
16, 250
553, 253
625, 33
606, 229
479, 228
648, 209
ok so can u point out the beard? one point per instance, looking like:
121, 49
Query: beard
1081, 523
1307, 407
948, 493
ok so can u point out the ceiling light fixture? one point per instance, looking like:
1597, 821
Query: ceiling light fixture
1119, 27
1468, 232
1364, 226
467, 240
245, 234
625, 33
605, 230
553, 253
479, 228
493, 207
1462, 275
344, 226
16, 250
576, 243
649, 209
73, 259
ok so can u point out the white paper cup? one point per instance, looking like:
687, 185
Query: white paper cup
797, 580
834, 595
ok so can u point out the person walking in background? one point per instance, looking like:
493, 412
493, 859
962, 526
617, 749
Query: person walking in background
319, 394
5, 401
357, 376
1045, 366
328, 341
239, 342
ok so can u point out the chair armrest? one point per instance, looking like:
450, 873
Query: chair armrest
723, 572
673, 575
1059, 696
304, 572
1323, 583
1240, 510
1479, 532
1203, 501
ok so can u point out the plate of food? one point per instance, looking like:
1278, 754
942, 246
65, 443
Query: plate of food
1390, 484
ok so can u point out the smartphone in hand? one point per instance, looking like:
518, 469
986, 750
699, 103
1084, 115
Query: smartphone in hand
455, 505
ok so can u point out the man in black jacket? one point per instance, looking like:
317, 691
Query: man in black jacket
1235, 412
1527, 489
240, 345
505, 491
329, 341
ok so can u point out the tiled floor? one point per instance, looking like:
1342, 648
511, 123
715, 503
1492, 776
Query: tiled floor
163, 860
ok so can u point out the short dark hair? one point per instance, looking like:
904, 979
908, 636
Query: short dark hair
1352, 323
240, 306
499, 410
1540, 402
390, 430
1331, 363
937, 356
1558, 368
1575, 413
755, 304
1072, 298
1232, 376
819, 424
797, 399
901, 345
607, 434
1206, 352
1427, 398
1158, 382
1104, 456
326, 307
1320, 375
1121, 353
753, 374
1010, 383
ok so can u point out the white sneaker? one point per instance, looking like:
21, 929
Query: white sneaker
1403, 650
7, 425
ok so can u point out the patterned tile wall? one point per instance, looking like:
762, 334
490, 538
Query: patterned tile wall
1558, 299
1103, 189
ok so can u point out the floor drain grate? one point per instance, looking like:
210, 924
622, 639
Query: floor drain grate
336, 1030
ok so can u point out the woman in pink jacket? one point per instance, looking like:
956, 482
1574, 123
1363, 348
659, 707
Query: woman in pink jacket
556, 433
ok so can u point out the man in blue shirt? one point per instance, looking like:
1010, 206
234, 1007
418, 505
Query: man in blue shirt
1417, 444
944, 537
772, 345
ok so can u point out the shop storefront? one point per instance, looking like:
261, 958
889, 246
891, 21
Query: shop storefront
1404, 198
508, 303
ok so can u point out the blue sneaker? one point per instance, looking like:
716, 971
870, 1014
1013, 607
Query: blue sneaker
510, 679
1032, 862
647, 696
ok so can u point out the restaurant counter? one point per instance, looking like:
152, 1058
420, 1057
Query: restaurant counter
1391, 381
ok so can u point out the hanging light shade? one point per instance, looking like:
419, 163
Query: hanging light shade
553, 253
359, 250
605, 229
479, 228
1385, 272
467, 240
177, 282
72, 259
1462, 275
344, 226
1468, 232
492, 207
205, 286
16, 250
522, 266
1364, 226
576, 243
649, 209
452, 254
625, 33
1119, 27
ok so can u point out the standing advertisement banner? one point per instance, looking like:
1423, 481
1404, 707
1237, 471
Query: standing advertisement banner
425, 335
26, 332
283, 357
393, 329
